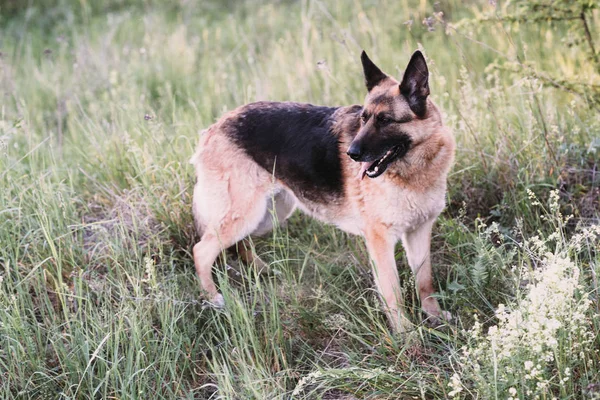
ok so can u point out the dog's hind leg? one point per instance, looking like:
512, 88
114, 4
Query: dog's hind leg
206, 252
417, 245
231, 218
280, 207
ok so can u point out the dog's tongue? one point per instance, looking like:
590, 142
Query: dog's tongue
364, 166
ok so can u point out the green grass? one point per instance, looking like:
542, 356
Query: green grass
102, 102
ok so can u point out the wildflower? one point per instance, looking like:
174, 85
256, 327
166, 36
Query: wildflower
549, 318
455, 384
533, 197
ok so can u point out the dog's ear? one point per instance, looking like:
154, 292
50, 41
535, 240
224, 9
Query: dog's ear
415, 84
373, 74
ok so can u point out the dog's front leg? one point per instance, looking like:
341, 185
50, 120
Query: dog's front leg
381, 249
417, 245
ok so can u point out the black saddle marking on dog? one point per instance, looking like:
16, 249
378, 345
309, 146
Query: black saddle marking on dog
295, 142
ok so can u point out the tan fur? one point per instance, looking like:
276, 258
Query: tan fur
234, 198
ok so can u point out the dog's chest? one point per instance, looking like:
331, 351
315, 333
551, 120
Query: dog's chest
400, 209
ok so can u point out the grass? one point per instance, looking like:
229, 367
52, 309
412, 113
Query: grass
101, 107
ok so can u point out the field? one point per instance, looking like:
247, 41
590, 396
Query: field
101, 105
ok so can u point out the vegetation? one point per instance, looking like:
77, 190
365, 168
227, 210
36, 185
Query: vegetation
102, 102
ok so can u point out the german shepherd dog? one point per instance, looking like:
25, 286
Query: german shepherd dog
377, 170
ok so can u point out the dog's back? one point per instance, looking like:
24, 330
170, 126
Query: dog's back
292, 141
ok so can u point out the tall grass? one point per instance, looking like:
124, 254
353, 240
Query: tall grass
101, 107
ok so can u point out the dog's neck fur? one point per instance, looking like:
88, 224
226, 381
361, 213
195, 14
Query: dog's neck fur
428, 161
428, 156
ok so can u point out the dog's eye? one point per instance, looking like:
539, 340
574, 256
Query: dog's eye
383, 120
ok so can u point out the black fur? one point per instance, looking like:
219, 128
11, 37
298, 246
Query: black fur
415, 84
373, 75
295, 142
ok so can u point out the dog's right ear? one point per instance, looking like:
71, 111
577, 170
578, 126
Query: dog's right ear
373, 74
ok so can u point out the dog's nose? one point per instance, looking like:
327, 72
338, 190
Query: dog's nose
354, 151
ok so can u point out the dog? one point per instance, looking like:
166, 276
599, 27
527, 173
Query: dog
377, 170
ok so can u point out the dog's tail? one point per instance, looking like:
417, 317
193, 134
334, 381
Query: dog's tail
195, 157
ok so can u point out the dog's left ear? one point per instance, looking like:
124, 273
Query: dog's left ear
415, 84
373, 74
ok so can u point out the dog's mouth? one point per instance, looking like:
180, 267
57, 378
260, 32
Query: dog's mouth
373, 169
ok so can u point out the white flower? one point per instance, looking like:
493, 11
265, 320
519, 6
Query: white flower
455, 384
549, 316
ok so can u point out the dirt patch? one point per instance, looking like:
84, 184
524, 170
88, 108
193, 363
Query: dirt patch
126, 216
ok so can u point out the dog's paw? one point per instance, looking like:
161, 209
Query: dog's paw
216, 302
441, 318
446, 316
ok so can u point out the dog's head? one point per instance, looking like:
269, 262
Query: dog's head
393, 116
